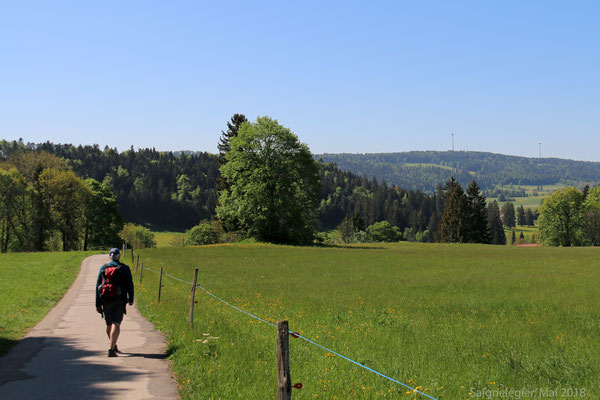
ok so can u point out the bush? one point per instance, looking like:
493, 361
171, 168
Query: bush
234, 236
202, 233
384, 232
137, 236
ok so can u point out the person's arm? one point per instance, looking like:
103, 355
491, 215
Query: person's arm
98, 283
130, 286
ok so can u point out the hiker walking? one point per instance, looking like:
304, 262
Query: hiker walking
114, 289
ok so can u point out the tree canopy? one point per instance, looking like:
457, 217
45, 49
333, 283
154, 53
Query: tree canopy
561, 218
44, 205
273, 183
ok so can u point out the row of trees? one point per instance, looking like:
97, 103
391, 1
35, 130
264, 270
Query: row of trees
268, 184
151, 187
178, 191
44, 205
466, 218
523, 217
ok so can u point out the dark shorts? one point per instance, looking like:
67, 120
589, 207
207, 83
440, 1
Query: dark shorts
113, 311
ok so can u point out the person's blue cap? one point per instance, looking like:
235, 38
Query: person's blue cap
114, 251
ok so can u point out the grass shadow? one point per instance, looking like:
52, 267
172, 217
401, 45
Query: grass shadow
156, 356
6, 344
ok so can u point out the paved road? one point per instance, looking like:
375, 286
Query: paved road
65, 355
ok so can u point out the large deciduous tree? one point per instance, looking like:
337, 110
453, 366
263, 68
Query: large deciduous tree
102, 220
561, 218
591, 216
274, 182
63, 195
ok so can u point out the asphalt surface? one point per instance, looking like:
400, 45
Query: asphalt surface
65, 355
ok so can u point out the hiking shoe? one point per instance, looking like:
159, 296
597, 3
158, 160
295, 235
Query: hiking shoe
112, 353
117, 349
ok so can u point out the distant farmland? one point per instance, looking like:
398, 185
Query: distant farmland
451, 319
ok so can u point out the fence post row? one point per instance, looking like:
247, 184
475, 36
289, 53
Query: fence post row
132, 255
141, 272
192, 300
137, 265
284, 382
160, 283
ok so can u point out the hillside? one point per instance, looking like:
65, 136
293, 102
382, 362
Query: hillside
423, 170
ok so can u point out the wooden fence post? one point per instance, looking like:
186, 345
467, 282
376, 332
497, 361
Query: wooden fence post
160, 283
123, 249
141, 272
132, 255
137, 265
284, 382
192, 301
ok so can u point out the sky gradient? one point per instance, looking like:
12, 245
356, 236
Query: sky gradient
348, 76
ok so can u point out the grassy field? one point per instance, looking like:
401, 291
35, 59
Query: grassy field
30, 285
534, 197
168, 239
531, 234
427, 165
450, 319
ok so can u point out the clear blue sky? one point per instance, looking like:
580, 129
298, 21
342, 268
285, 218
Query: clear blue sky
348, 76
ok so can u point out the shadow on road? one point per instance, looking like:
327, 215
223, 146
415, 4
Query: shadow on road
61, 371
144, 355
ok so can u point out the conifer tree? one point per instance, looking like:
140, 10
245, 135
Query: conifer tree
453, 222
508, 219
521, 218
529, 217
224, 147
232, 131
495, 224
477, 220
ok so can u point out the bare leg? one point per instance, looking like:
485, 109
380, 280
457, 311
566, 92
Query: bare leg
108, 331
114, 335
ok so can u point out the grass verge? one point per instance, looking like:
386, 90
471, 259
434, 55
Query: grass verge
30, 285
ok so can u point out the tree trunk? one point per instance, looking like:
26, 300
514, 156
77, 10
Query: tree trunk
85, 238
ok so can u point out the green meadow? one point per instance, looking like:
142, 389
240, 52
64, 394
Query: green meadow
168, 238
452, 320
30, 285
534, 196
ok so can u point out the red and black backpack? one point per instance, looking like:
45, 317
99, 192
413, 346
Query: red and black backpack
110, 288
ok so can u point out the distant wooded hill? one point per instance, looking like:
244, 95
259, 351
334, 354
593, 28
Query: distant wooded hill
424, 170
